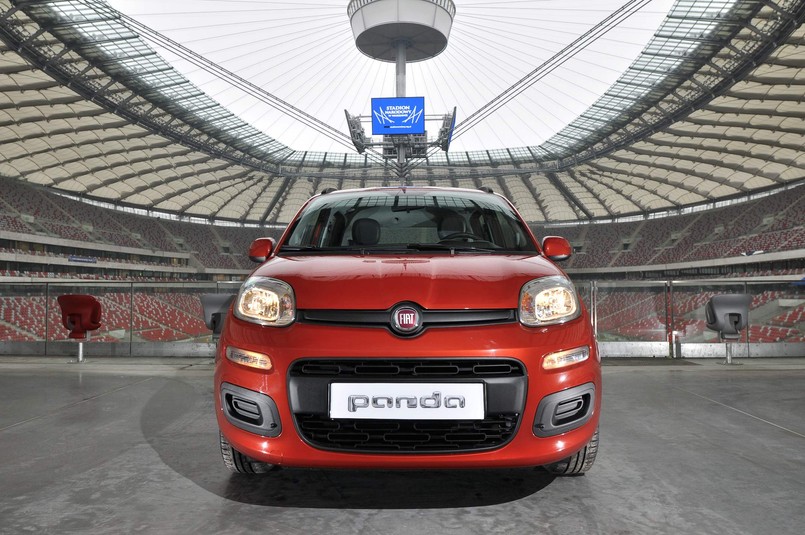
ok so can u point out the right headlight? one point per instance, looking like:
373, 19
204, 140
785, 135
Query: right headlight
547, 301
266, 301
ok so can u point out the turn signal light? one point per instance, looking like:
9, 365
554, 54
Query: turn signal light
252, 359
562, 359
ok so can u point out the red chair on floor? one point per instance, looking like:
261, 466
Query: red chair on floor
80, 314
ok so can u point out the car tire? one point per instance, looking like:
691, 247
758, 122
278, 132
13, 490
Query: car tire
579, 463
238, 463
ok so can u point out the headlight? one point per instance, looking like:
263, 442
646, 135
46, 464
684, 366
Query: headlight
266, 301
547, 301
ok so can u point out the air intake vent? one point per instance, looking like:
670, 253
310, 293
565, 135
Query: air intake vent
243, 408
570, 410
564, 411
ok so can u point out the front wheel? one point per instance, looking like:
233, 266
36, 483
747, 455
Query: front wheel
236, 462
578, 463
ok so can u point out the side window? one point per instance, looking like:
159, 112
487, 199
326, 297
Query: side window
305, 230
301, 233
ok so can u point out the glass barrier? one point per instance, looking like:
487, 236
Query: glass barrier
153, 319
23, 313
777, 312
659, 319
629, 312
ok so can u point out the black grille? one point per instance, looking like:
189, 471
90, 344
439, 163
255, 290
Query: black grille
412, 436
430, 318
408, 368
504, 382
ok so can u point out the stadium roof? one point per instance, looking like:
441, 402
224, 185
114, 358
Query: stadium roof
711, 110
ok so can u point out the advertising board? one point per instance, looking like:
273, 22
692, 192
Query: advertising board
398, 115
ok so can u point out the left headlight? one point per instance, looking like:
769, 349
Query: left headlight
547, 301
266, 301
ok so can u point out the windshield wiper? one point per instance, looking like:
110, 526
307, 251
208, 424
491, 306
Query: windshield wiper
308, 248
451, 248
381, 249
346, 249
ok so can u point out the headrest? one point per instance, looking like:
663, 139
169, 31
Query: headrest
366, 231
451, 223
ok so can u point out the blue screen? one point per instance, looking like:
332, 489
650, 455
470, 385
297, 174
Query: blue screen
398, 115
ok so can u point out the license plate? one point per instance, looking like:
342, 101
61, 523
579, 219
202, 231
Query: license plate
407, 401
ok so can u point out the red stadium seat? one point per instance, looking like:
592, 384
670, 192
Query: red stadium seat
80, 314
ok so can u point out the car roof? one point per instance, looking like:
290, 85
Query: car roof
409, 189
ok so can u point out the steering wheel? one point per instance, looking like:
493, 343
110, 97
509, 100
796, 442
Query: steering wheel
458, 235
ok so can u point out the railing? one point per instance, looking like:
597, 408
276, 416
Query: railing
667, 319
660, 319
138, 319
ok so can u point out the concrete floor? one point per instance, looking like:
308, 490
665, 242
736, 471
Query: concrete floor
117, 446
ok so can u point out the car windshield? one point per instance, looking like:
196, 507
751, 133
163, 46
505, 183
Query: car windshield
397, 220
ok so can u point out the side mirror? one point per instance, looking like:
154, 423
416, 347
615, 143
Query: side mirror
261, 249
556, 248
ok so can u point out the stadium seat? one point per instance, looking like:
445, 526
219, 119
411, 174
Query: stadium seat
215, 307
728, 315
80, 315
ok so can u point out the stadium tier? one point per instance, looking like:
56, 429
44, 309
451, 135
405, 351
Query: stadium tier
28, 214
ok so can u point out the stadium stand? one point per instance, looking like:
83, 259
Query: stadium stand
22, 210
771, 223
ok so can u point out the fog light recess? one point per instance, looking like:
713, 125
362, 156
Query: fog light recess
564, 411
250, 410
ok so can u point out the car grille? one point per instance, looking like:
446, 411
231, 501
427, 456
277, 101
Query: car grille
434, 318
405, 436
309, 381
408, 368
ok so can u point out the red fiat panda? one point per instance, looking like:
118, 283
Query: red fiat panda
408, 327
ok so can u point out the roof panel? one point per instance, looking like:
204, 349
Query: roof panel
741, 142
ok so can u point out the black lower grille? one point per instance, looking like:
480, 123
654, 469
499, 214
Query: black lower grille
380, 368
413, 436
504, 382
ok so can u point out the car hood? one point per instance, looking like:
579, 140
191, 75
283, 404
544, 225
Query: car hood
374, 282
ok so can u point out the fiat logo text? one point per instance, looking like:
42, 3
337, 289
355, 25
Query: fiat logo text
406, 319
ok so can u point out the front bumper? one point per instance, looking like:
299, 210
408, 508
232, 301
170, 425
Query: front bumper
533, 417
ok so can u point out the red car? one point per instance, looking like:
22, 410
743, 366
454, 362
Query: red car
408, 327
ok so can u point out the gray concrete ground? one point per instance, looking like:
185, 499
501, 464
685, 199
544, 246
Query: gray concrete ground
130, 446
